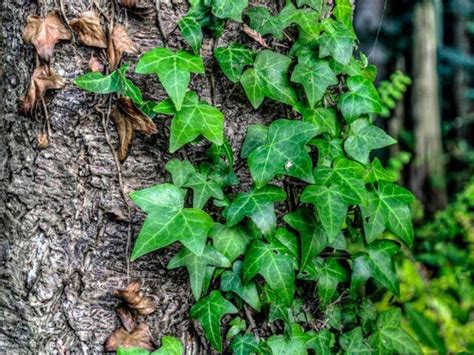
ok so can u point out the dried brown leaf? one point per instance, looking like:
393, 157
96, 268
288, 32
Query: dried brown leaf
44, 33
128, 118
254, 35
119, 42
138, 7
43, 79
43, 140
126, 317
139, 337
89, 30
95, 64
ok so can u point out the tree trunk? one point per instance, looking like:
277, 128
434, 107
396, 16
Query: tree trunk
65, 225
428, 175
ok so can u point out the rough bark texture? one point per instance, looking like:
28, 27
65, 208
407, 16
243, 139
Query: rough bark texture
63, 220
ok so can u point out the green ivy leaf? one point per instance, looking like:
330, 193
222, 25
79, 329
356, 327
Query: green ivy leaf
292, 344
321, 342
180, 171
99, 83
203, 189
237, 325
283, 152
361, 99
255, 204
262, 21
336, 41
269, 78
276, 269
229, 9
329, 276
377, 263
343, 13
209, 311
132, 351
364, 138
195, 118
231, 282
353, 343
191, 31
169, 346
244, 345
255, 137
168, 221
233, 59
230, 241
328, 150
197, 265
173, 70
325, 120
377, 172
388, 207
315, 77
315, 4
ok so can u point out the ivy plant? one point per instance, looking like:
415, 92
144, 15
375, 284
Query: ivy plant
313, 239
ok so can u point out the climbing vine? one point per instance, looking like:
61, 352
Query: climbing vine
313, 272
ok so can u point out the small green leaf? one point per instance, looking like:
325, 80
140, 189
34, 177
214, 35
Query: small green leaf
325, 120
361, 99
203, 189
132, 351
321, 342
168, 221
328, 150
292, 344
197, 265
276, 269
377, 172
283, 152
230, 241
195, 118
191, 31
343, 13
244, 345
237, 325
315, 4
353, 343
209, 311
169, 346
173, 70
127, 87
231, 282
262, 21
99, 83
329, 276
233, 59
336, 41
180, 171
229, 9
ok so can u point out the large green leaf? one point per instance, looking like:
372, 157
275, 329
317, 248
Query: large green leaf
343, 13
173, 70
291, 344
195, 118
388, 207
269, 78
283, 152
377, 263
169, 346
336, 41
256, 204
365, 137
191, 31
244, 344
229, 9
230, 241
233, 59
255, 137
353, 343
276, 269
362, 98
197, 265
231, 282
209, 311
262, 21
168, 221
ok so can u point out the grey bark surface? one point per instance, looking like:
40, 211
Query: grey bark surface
63, 220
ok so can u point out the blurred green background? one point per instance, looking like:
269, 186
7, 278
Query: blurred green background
425, 54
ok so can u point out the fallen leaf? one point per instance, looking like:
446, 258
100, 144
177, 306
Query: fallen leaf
44, 33
126, 317
139, 337
42, 80
138, 7
43, 140
254, 35
134, 298
89, 30
119, 42
95, 64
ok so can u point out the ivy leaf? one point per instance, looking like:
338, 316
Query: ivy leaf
276, 269
377, 172
169, 346
353, 343
209, 311
244, 344
99, 83
292, 344
254, 204
168, 221
180, 171
255, 137
362, 98
321, 342
315, 77
269, 78
388, 207
197, 265
231, 282
330, 206
364, 138
328, 150
173, 70
262, 21
237, 325
233, 59
195, 118
315, 4
283, 152
203, 189
325, 120
343, 13
229, 9
336, 41
230, 241
329, 276
128, 88
377, 263
191, 31
286, 242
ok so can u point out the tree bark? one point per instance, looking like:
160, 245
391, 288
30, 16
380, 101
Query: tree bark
65, 225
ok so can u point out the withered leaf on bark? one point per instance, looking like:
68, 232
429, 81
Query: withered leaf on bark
139, 337
43, 140
95, 64
126, 317
43, 79
119, 42
138, 7
44, 33
128, 118
257, 37
89, 30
